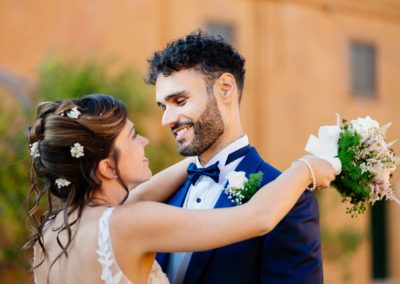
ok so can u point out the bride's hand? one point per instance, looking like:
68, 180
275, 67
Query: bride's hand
323, 170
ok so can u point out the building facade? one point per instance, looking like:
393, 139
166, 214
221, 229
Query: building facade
306, 61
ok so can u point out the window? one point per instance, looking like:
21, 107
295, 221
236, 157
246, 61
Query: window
224, 30
363, 69
379, 241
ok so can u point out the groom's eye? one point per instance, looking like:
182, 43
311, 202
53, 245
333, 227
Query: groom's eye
162, 106
180, 101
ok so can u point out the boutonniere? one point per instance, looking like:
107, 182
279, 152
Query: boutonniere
240, 188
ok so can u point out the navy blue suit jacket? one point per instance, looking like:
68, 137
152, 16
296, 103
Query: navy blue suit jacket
291, 253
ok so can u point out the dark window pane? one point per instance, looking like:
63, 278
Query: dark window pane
379, 241
363, 69
224, 30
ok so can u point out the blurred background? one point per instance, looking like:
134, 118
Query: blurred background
306, 61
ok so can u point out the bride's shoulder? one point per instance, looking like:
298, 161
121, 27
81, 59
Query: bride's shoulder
134, 221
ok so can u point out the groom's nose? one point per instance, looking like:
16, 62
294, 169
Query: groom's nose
169, 118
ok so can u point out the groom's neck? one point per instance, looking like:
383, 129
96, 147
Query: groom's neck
218, 146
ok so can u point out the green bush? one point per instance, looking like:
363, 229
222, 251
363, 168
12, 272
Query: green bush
14, 174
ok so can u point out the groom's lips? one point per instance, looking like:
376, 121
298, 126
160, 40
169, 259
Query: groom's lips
180, 131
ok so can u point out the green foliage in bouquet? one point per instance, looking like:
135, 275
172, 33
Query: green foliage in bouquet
352, 183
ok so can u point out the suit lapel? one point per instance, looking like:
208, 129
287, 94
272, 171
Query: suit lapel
199, 260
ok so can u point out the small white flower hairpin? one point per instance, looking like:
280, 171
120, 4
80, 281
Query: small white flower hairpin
60, 182
77, 150
34, 149
74, 113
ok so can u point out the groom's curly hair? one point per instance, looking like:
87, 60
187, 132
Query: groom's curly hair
210, 55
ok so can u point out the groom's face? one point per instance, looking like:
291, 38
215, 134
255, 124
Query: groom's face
190, 111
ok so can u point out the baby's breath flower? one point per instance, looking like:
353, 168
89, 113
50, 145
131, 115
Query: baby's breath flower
60, 182
77, 150
74, 113
34, 149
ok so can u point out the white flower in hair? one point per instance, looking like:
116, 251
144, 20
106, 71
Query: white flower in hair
60, 182
74, 113
35, 149
77, 150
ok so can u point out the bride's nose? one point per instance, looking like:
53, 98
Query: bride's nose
145, 141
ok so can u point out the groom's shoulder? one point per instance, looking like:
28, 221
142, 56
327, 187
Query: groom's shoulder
271, 172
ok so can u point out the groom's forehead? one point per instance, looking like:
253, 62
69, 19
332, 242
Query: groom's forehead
178, 83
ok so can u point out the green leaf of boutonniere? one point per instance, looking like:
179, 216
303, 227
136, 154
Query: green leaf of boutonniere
241, 189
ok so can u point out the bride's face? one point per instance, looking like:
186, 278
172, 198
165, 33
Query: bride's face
132, 162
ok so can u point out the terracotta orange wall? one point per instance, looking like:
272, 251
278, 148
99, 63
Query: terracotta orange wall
31, 30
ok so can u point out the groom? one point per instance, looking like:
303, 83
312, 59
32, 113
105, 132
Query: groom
199, 83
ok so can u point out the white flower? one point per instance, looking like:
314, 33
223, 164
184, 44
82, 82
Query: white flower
60, 182
236, 179
240, 188
77, 150
236, 182
35, 149
363, 125
74, 113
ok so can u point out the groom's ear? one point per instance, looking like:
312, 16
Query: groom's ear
226, 87
106, 169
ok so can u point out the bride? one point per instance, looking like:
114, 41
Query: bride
87, 156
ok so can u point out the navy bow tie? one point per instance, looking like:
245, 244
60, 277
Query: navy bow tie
213, 171
194, 172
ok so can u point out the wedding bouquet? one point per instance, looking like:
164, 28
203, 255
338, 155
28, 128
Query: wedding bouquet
366, 165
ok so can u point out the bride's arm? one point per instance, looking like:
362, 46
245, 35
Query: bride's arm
158, 227
162, 185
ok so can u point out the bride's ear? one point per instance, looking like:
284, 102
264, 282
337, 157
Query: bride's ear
106, 169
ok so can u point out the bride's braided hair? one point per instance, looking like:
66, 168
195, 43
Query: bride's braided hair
101, 118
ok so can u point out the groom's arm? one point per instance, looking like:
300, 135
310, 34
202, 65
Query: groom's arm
292, 251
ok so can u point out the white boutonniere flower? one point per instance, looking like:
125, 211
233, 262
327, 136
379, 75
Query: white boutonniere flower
240, 188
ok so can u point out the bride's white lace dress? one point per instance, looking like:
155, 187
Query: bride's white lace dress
111, 273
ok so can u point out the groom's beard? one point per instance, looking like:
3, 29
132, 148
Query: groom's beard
206, 130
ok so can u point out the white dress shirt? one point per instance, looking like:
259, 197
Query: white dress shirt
204, 194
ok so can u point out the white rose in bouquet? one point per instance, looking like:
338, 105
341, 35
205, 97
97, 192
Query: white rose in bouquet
363, 125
